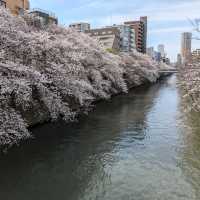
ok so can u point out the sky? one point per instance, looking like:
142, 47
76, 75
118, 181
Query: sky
167, 19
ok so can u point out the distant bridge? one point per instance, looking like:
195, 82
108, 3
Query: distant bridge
168, 71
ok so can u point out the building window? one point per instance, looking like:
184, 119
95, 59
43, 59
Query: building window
21, 11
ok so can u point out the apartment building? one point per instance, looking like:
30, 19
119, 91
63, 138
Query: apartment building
145, 30
80, 27
140, 29
109, 37
45, 17
17, 7
127, 38
186, 46
132, 42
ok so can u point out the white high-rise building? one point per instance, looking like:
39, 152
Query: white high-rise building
161, 50
186, 47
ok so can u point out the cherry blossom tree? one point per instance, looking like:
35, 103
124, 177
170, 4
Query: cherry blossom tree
189, 78
53, 73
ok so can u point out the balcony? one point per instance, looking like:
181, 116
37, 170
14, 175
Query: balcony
48, 17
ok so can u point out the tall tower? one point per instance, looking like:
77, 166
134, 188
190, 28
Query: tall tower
186, 47
144, 20
161, 49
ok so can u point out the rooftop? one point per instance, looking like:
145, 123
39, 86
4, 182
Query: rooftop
51, 14
78, 23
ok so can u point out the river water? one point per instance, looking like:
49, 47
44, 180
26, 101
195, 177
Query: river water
134, 147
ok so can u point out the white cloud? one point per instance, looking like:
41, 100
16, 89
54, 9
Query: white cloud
166, 17
171, 30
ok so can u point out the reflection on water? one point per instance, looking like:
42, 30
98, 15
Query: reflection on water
129, 148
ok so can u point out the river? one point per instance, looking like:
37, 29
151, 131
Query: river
134, 147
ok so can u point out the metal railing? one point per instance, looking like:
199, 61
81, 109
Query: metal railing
51, 14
